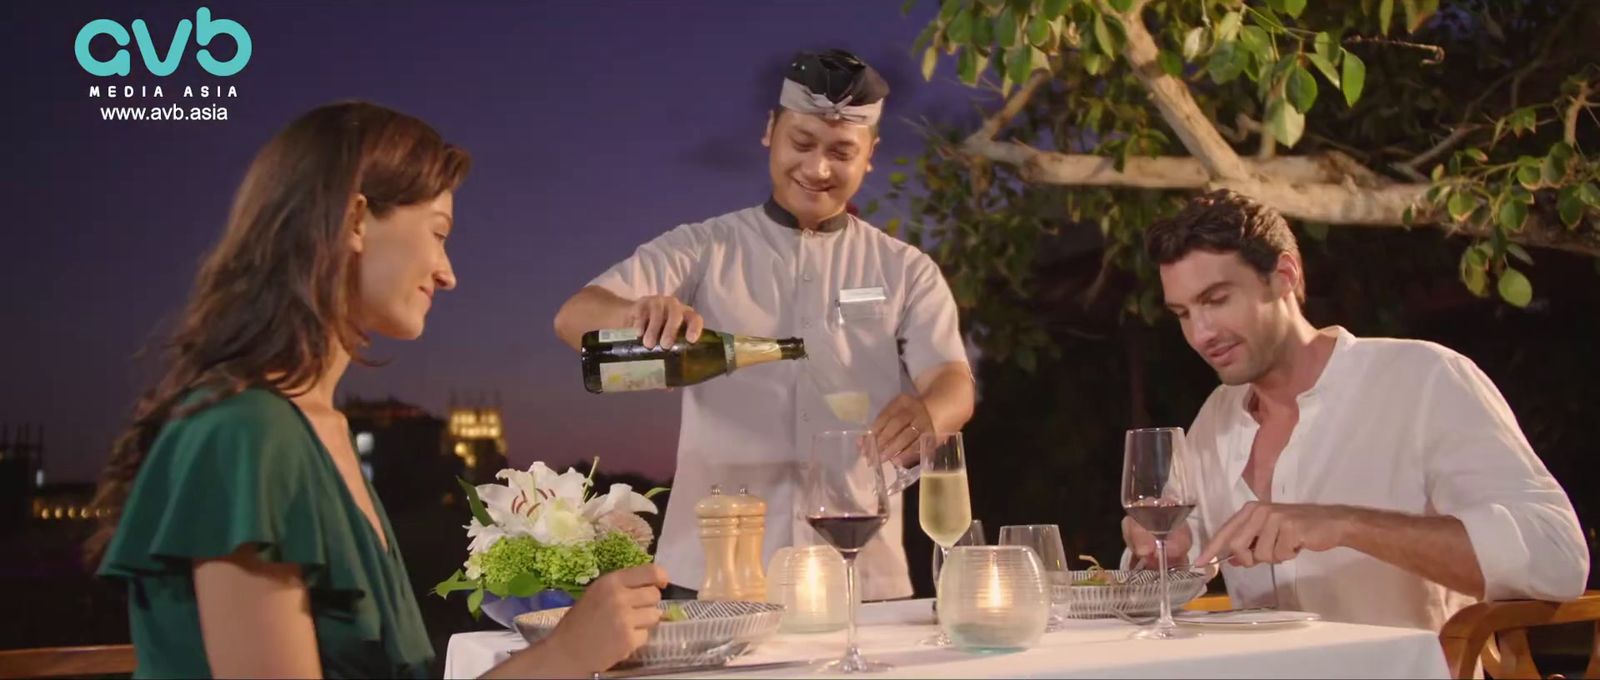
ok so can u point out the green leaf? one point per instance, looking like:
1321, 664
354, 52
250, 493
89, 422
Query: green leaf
1461, 205
1474, 271
1194, 43
959, 32
1325, 67
524, 585
1171, 63
1438, 172
1570, 207
1122, 6
1408, 217
905, 7
1019, 63
1055, 8
1519, 252
1039, 31
1292, 8
1515, 288
1027, 360
1477, 155
947, 10
1257, 42
1285, 122
1589, 194
1323, 45
1095, 63
1529, 175
925, 38
1302, 89
1317, 230
1512, 214
1385, 15
930, 61
656, 492
968, 67
475, 603
1228, 27
1102, 37
1523, 120
897, 178
1553, 169
1354, 77
456, 583
475, 503
1227, 62
1005, 28
892, 226
1418, 12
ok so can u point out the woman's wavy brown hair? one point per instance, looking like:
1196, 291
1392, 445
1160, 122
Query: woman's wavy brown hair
277, 290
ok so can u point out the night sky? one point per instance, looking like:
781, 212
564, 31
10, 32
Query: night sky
593, 126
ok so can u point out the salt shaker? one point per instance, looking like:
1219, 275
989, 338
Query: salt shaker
752, 512
719, 534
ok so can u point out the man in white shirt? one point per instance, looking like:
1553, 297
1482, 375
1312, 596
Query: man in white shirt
796, 265
1369, 480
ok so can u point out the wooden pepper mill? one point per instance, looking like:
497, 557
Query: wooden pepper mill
719, 536
751, 576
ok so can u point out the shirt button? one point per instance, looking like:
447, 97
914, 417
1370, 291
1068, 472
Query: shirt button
807, 277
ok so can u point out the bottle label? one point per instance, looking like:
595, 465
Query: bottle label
618, 334
633, 376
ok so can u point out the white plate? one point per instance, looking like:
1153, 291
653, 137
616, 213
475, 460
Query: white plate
1245, 618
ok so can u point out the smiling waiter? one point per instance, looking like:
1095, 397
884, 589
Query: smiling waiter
797, 265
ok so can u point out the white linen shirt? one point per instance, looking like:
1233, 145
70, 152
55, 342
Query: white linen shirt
748, 274
1405, 426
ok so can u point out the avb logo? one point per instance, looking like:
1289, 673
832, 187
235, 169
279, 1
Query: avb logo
204, 29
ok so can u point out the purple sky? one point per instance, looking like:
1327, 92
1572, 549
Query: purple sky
594, 126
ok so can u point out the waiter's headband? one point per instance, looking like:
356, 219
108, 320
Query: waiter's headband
834, 85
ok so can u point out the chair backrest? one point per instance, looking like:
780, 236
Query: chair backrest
1497, 632
57, 662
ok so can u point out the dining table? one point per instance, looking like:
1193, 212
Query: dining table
894, 631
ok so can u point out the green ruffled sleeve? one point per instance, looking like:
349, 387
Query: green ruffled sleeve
237, 473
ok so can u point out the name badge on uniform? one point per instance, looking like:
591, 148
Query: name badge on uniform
861, 304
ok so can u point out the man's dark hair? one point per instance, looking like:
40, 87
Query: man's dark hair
1225, 221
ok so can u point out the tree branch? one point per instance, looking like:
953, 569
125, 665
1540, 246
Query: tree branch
1580, 101
1172, 98
1413, 168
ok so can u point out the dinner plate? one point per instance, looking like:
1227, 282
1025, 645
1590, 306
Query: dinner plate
1242, 619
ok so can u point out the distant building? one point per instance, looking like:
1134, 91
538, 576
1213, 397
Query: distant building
21, 474
404, 451
478, 438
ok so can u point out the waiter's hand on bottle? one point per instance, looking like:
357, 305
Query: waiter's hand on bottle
898, 427
658, 318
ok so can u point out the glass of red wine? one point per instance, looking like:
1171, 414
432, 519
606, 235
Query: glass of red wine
1155, 466
847, 503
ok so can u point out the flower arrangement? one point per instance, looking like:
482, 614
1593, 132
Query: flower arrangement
543, 531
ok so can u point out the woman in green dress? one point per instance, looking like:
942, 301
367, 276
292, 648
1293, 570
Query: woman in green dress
249, 541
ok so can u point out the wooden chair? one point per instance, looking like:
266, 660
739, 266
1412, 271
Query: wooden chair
1497, 632
58, 662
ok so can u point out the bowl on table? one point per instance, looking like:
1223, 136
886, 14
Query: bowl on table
710, 633
1094, 594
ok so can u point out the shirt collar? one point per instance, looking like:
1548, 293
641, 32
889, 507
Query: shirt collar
1332, 373
778, 214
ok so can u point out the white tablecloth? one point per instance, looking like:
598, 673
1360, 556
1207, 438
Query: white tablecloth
1098, 648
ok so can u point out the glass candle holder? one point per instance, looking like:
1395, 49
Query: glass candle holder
993, 597
809, 581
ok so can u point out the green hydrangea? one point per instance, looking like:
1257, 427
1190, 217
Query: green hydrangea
617, 550
556, 565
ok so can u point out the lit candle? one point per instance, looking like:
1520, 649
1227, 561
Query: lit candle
998, 597
813, 590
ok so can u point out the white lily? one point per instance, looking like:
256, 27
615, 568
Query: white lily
621, 497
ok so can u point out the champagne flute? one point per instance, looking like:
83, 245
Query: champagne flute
1157, 494
945, 501
1045, 539
846, 502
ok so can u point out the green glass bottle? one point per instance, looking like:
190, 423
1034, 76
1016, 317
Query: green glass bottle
616, 360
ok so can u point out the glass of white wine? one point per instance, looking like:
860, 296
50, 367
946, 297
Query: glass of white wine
945, 501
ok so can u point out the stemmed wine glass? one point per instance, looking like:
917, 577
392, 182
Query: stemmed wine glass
945, 502
846, 502
1157, 493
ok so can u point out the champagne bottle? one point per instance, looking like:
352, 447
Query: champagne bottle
616, 360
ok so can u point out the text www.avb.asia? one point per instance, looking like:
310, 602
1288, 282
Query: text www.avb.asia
164, 113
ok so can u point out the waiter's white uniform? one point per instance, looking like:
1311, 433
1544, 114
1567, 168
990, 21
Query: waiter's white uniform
753, 272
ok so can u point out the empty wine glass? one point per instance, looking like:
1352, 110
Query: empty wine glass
1157, 495
1045, 539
